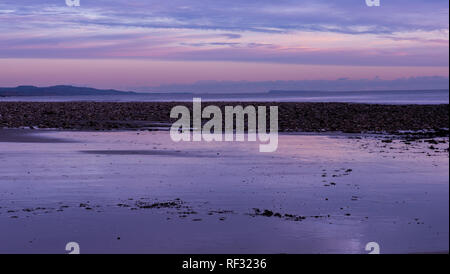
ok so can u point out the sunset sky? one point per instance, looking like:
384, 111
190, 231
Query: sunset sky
138, 44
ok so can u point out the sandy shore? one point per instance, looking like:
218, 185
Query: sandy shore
138, 192
306, 117
92, 180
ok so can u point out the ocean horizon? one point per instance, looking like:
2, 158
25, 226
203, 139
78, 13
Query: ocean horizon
421, 97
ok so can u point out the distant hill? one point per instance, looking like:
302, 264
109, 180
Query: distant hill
58, 91
353, 92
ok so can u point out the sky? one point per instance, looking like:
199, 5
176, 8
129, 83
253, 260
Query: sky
158, 45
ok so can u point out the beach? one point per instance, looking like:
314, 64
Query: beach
224, 136
293, 117
137, 191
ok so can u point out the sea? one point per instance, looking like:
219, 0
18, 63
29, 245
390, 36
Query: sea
371, 97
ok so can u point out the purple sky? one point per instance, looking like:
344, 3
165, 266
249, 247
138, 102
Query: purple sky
145, 44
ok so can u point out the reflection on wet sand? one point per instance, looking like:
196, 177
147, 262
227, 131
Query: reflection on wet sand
131, 192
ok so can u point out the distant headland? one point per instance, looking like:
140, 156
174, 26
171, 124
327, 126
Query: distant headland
60, 90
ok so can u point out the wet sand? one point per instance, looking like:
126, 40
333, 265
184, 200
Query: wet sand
138, 192
25, 136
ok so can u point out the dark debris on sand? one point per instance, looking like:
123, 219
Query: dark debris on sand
285, 216
293, 117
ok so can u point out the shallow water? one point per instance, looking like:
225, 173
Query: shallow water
88, 187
